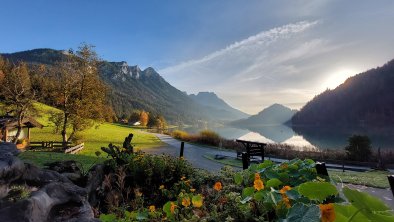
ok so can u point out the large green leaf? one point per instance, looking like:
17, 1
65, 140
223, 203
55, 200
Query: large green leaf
274, 182
364, 200
317, 190
303, 213
108, 217
343, 213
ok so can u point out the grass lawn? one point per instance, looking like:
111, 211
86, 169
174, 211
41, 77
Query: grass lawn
94, 138
373, 178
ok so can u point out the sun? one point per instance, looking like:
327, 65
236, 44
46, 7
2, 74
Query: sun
336, 78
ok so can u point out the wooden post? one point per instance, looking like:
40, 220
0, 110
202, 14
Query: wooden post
321, 168
5, 134
182, 148
28, 133
245, 161
391, 182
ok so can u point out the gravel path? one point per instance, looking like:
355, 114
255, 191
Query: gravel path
195, 155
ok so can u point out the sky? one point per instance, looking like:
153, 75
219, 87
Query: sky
250, 53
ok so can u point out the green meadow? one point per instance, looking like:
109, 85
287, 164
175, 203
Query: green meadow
94, 138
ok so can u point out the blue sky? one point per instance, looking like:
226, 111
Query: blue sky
251, 53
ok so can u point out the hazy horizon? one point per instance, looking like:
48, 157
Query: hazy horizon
252, 54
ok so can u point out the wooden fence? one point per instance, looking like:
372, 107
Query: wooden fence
75, 149
52, 145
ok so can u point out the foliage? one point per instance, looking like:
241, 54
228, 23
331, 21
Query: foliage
359, 148
144, 118
16, 91
290, 191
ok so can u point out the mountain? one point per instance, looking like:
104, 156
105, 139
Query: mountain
129, 87
275, 114
216, 108
366, 99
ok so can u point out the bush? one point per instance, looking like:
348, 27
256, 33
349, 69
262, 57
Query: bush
180, 135
359, 148
209, 137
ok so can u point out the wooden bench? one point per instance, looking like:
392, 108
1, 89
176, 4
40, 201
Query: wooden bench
253, 149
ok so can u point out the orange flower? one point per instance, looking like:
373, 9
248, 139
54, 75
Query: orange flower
161, 187
183, 178
258, 184
257, 176
172, 207
152, 208
217, 186
186, 202
284, 189
327, 212
286, 201
284, 166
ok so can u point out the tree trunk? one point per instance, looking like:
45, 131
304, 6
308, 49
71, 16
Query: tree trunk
19, 127
64, 130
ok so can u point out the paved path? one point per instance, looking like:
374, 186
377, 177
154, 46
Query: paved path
195, 155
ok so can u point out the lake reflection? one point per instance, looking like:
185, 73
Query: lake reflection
306, 137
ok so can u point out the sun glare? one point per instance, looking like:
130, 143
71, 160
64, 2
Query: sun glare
338, 77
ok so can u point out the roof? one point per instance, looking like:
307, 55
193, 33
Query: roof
10, 122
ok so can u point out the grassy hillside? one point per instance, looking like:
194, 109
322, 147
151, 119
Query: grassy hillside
95, 138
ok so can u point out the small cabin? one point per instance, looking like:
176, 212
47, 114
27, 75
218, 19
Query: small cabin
9, 127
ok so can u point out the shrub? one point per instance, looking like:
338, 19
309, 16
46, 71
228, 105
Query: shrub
359, 148
180, 135
209, 137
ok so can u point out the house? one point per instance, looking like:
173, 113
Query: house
9, 125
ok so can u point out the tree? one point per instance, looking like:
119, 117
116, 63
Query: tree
78, 90
144, 118
16, 91
359, 148
134, 117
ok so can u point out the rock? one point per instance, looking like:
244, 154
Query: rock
68, 169
95, 179
54, 202
10, 148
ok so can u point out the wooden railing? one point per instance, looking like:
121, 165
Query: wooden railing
75, 149
56, 146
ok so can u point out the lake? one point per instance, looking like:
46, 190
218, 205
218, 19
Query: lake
305, 137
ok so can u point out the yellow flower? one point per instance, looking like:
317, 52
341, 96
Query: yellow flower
327, 212
217, 186
257, 176
258, 184
183, 177
192, 190
161, 187
172, 208
186, 202
284, 189
152, 208
197, 202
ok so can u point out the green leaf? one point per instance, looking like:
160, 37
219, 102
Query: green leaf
292, 194
364, 201
274, 182
238, 178
259, 196
142, 216
317, 190
167, 208
303, 213
108, 217
344, 212
247, 192
265, 164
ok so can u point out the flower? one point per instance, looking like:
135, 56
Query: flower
192, 190
217, 186
138, 193
284, 166
258, 184
327, 212
284, 189
172, 207
186, 202
257, 176
152, 208
161, 187
286, 201
183, 178
197, 201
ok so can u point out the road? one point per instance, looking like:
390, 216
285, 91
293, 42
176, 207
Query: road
195, 155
